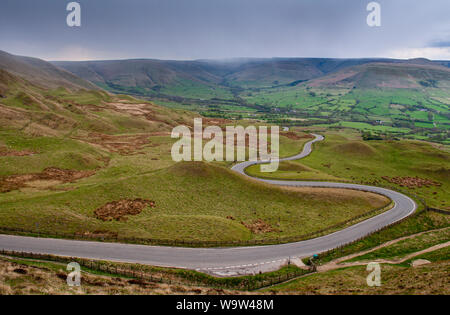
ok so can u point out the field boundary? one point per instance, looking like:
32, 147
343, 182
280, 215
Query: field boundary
339, 248
243, 283
186, 243
439, 211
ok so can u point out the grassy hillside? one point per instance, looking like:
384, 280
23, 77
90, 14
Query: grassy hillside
417, 167
413, 258
150, 77
405, 98
428, 279
41, 73
193, 202
31, 277
89, 163
407, 246
60, 111
72, 159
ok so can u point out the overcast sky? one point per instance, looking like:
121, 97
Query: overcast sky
196, 29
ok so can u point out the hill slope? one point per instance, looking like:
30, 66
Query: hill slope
41, 99
147, 77
388, 75
42, 73
144, 77
408, 97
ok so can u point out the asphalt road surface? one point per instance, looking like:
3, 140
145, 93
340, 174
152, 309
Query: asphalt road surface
224, 261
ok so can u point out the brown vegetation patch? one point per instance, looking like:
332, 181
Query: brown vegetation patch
6, 152
118, 210
43, 280
259, 226
124, 144
130, 108
150, 116
143, 110
411, 182
53, 174
98, 234
216, 121
292, 135
20, 271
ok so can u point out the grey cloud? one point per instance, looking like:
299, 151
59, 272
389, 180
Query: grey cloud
194, 29
440, 44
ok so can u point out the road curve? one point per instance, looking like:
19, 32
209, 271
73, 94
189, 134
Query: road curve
224, 261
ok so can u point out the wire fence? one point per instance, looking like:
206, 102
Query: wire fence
187, 243
211, 243
248, 283
342, 246
440, 211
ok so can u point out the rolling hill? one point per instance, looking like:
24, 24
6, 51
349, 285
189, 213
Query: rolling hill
406, 97
67, 151
388, 75
40, 99
42, 73
148, 77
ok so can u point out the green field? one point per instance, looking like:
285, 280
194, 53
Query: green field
193, 200
65, 154
407, 246
344, 156
428, 279
400, 278
129, 152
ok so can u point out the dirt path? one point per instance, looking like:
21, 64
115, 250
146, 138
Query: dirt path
337, 263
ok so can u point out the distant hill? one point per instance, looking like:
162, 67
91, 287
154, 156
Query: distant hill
146, 77
405, 97
151, 75
282, 71
42, 73
207, 79
40, 99
407, 75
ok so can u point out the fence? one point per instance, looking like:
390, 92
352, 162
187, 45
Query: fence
421, 200
439, 211
339, 248
196, 243
187, 243
248, 283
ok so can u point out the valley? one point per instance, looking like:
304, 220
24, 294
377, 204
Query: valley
384, 97
90, 159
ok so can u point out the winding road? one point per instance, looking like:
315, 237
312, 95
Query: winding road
225, 261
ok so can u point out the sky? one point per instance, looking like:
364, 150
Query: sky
221, 29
